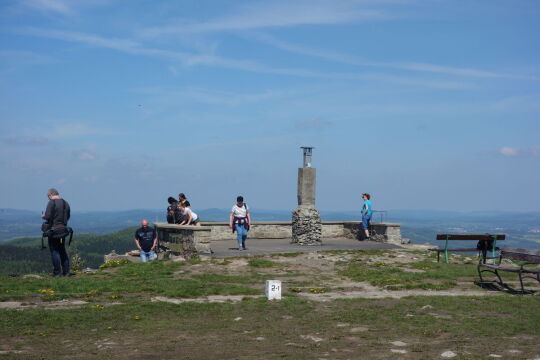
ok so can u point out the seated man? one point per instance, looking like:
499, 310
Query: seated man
146, 240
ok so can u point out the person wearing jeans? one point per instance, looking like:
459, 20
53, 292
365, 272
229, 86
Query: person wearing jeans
366, 214
57, 215
146, 241
239, 221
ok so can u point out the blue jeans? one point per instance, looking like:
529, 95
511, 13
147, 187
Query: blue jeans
59, 256
148, 255
241, 235
366, 219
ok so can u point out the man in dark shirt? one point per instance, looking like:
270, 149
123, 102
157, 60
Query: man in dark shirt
146, 240
57, 215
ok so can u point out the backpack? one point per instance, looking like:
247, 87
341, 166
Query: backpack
46, 227
485, 245
174, 215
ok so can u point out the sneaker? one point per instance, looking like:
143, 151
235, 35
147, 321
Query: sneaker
244, 248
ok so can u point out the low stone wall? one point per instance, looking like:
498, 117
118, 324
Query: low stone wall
185, 240
188, 241
386, 232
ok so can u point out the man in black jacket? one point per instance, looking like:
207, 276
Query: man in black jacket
57, 215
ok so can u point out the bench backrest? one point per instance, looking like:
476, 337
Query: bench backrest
497, 237
531, 256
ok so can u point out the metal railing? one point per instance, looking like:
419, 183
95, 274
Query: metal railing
382, 213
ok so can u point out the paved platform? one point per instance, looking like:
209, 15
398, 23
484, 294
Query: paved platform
228, 248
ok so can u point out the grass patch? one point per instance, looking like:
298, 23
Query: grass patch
262, 263
433, 276
291, 254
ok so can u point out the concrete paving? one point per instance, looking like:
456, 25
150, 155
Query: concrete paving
228, 248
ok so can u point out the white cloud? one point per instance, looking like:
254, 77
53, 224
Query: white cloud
24, 57
522, 103
408, 66
509, 151
84, 155
56, 6
312, 124
61, 7
210, 96
275, 14
533, 151
189, 59
78, 130
26, 140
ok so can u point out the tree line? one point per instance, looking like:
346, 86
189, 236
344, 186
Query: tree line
24, 255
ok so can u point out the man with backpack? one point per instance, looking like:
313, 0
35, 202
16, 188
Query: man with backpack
56, 216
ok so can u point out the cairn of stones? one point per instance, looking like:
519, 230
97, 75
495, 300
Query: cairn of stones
306, 220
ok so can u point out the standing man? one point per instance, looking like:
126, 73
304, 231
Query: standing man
57, 215
239, 221
146, 240
366, 214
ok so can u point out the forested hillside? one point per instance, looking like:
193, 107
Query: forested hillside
24, 255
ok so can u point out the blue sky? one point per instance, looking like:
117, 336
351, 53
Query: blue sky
425, 104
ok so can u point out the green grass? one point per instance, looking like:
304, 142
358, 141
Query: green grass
262, 263
152, 278
162, 330
434, 276
256, 328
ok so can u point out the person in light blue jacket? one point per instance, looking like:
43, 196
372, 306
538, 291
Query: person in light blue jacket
366, 214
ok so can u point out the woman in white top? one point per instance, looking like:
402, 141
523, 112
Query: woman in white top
239, 221
190, 218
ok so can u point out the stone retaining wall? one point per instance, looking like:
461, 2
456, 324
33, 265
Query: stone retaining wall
386, 232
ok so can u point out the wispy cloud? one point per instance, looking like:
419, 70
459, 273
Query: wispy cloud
189, 59
509, 151
26, 140
78, 129
529, 103
408, 66
24, 57
213, 97
276, 14
60, 7
55, 6
83, 155
312, 124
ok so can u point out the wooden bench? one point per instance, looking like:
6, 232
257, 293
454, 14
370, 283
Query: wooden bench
485, 238
527, 268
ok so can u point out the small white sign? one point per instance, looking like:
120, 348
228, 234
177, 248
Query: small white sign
273, 289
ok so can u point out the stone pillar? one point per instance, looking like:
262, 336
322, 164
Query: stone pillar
306, 220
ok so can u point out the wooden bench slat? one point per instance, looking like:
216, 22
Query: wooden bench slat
454, 249
498, 237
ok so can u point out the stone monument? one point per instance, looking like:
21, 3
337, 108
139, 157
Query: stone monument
306, 220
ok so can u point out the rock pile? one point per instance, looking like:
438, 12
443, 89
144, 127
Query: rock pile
306, 226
